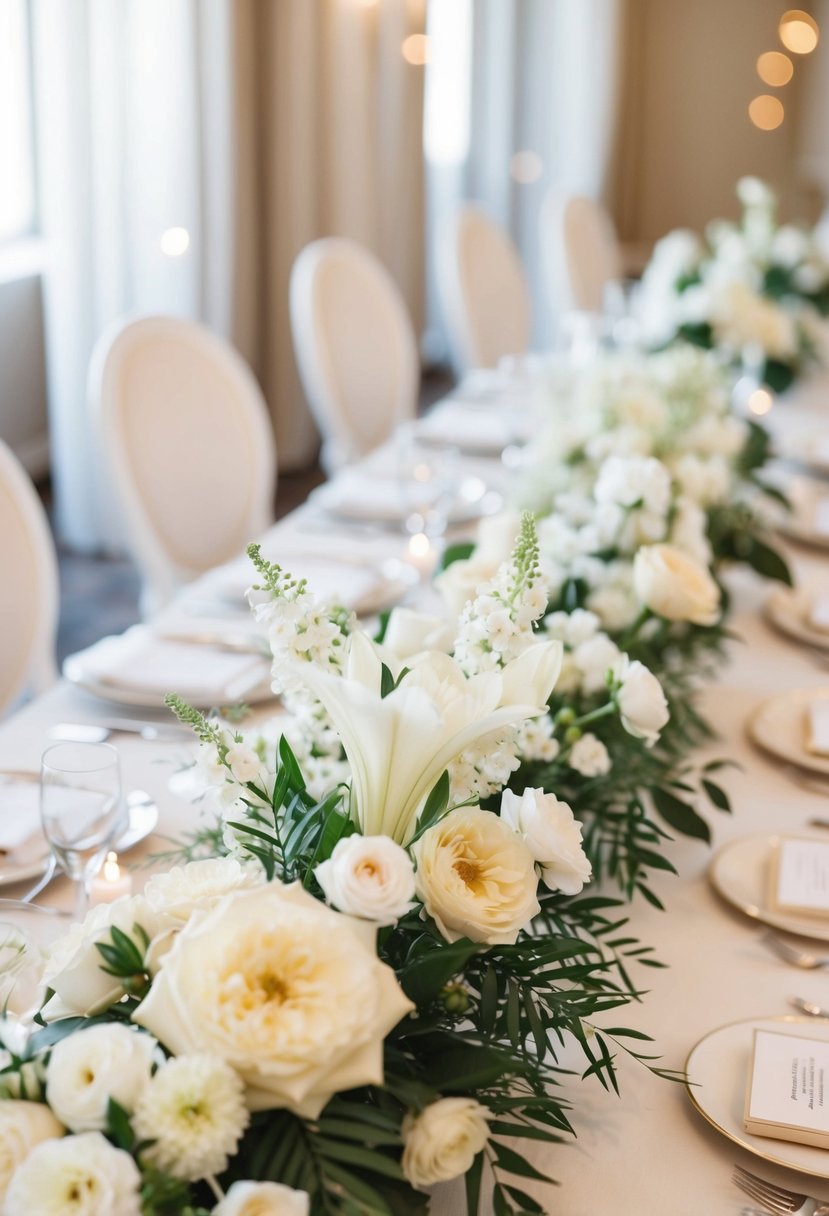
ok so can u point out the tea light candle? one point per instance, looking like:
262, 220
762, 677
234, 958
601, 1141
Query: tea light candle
422, 554
111, 883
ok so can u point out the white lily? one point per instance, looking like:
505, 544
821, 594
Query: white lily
398, 745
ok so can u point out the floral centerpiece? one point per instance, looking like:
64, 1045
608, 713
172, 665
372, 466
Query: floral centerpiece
364, 991
755, 291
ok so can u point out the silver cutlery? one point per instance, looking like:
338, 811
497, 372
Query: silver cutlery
794, 954
99, 732
778, 1200
813, 1010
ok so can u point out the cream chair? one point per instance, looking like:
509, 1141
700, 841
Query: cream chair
189, 447
483, 290
580, 252
28, 586
355, 348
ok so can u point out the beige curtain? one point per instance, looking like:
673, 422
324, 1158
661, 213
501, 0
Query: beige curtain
326, 139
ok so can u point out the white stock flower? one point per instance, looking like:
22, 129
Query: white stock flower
674, 586
289, 993
552, 834
194, 1111
590, 757
370, 877
23, 1125
443, 1140
476, 877
95, 1064
76, 1176
197, 886
642, 705
263, 1199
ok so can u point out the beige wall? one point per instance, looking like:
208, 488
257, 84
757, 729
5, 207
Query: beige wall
23, 421
685, 133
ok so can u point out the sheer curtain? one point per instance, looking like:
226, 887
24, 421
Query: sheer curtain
187, 149
537, 83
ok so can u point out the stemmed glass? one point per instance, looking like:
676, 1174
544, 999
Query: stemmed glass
81, 809
428, 487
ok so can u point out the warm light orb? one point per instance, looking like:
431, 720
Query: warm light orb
775, 68
175, 242
766, 112
419, 545
798, 31
526, 166
760, 401
416, 49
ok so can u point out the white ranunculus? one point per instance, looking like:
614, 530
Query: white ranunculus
23, 1125
88, 1068
74, 964
197, 886
590, 757
263, 1199
398, 745
289, 993
642, 704
552, 833
442, 1141
79, 1174
409, 632
370, 877
244, 763
674, 586
476, 877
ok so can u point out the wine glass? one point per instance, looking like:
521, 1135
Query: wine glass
81, 809
428, 487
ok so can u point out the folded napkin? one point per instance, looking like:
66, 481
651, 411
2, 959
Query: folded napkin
818, 735
349, 583
138, 661
463, 426
21, 837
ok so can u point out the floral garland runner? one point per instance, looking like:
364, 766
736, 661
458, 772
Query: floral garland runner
367, 991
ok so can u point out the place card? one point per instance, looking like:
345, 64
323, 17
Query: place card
787, 1097
799, 877
818, 734
821, 517
819, 613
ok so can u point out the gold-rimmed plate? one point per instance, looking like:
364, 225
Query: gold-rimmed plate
739, 872
717, 1074
787, 609
779, 727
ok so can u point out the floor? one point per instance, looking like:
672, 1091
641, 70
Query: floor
99, 595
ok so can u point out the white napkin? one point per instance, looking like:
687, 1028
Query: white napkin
818, 741
21, 836
463, 426
356, 496
138, 661
350, 584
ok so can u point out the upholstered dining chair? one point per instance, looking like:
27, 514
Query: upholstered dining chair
355, 348
580, 251
189, 447
483, 290
28, 586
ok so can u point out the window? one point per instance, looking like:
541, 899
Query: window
17, 179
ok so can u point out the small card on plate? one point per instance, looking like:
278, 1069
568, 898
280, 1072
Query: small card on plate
787, 1096
799, 877
818, 616
817, 740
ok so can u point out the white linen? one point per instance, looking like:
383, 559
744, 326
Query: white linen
349, 583
19, 817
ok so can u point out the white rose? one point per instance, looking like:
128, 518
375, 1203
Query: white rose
82, 1174
23, 1125
409, 632
244, 763
197, 887
442, 1142
369, 876
476, 877
642, 704
590, 757
74, 964
552, 833
88, 1068
674, 586
263, 1199
289, 993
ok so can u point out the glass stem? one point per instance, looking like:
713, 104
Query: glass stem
81, 898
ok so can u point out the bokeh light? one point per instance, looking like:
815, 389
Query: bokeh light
766, 112
416, 49
775, 68
526, 166
798, 31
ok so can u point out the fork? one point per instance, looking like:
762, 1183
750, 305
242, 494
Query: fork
777, 1199
793, 954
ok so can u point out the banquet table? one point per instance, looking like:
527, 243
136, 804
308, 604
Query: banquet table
649, 1152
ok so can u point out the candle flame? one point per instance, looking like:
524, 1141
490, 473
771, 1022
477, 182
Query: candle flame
112, 871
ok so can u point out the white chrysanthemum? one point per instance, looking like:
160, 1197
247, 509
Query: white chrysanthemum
77, 1176
194, 1111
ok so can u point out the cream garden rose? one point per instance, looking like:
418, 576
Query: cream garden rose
263, 1199
642, 705
197, 887
370, 877
289, 993
674, 586
88, 1068
23, 1125
552, 833
476, 877
77, 1176
442, 1142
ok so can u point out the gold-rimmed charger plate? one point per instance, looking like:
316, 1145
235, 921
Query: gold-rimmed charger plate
716, 1077
787, 608
739, 872
779, 727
